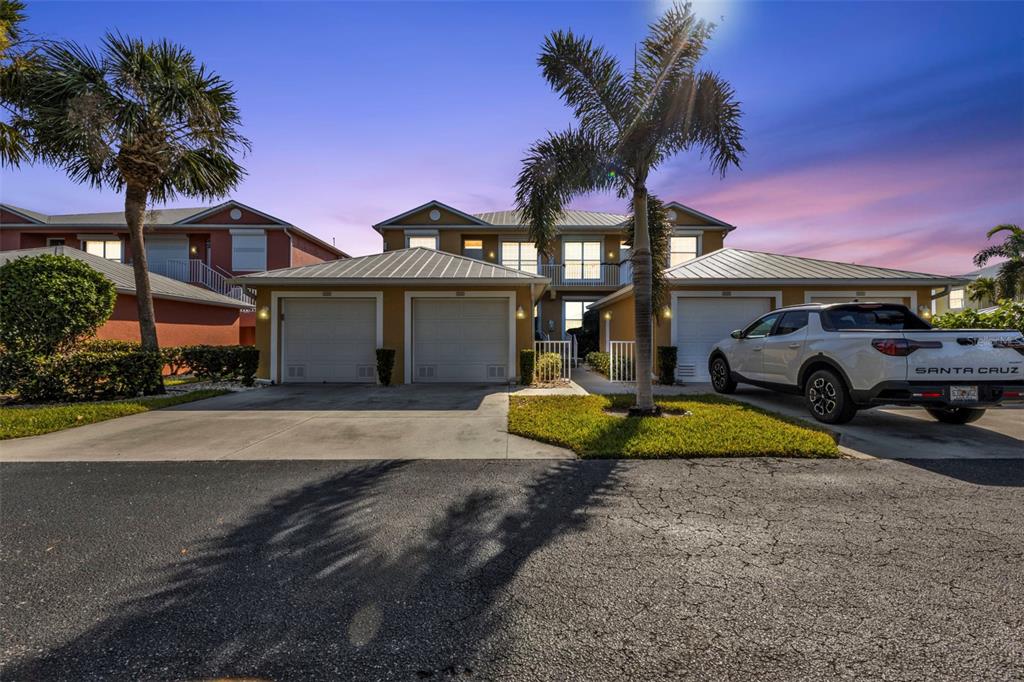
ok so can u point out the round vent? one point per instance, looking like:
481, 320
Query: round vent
235, 214
435, 215
671, 215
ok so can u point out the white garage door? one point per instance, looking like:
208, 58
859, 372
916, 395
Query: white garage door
329, 340
867, 298
460, 339
161, 250
700, 323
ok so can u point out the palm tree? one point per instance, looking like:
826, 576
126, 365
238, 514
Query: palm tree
1010, 280
625, 127
983, 289
18, 57
143, 118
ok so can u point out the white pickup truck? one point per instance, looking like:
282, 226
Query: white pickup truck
843, 357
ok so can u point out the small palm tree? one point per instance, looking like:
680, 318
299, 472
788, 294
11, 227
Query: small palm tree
626, 125
1010, 279
142, 118
983, 289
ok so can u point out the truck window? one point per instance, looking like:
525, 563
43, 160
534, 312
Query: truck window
871, 316
793, 321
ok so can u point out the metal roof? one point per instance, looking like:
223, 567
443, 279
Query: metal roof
739, 264
123, 277
417, 264
988, 271
160, 216
568, 218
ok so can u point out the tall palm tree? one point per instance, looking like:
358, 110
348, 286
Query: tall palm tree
143, 118
18, 57
983, 289
626, 125
1010, 280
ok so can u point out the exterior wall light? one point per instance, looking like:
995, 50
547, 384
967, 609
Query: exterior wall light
490, 254
666, 312
263, 313
924, 312
520, 313
608, 315
193, 250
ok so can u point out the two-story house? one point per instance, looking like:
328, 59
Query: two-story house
200, 246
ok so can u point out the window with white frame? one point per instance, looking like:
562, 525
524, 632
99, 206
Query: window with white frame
582, 258
956, 299
104, 248
248, 250
473, 248
572, 314
424, 241
682, 248
519, 255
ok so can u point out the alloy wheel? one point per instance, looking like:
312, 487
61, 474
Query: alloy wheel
822, 395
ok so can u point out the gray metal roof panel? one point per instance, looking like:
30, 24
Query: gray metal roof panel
569, 218
123, 277
417, 263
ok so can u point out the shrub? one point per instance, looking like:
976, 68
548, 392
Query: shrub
600, 362
667, 357
527, 365
1007, 315
385, 365
51, 302
14, 367
218, 363
91, 375
549, 367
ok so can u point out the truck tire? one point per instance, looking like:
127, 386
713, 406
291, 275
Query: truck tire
828, 400
956, 415
721, 375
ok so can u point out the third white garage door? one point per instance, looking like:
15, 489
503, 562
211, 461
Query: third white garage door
460, 339
700, 323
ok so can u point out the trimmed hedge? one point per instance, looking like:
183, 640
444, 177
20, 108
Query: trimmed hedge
385, 365
527, 366
88, 375
600, 362
667, 358
218, 363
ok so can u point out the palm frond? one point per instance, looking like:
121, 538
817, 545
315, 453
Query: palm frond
556, 169
706, 116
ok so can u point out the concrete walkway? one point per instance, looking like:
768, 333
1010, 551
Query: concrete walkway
302, 422
889, 433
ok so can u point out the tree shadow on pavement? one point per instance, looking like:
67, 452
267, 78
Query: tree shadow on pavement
335, 580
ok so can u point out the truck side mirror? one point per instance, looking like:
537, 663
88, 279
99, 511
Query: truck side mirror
736, 333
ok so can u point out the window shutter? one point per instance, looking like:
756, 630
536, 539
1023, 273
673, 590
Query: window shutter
248, 250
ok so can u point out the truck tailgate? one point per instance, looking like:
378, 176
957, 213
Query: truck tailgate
967, 355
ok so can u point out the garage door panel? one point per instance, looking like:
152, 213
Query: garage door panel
458, 339
331, 340
702, 322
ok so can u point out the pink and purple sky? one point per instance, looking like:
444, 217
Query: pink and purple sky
882, 133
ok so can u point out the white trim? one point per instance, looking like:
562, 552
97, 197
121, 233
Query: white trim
220, 207
776, 297
912, 295
694, 212
275, 319
510, 295
389, 222
680, 232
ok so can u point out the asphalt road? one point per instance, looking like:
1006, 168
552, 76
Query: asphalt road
738, 569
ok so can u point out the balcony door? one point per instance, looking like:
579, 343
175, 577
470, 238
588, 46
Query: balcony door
582, 259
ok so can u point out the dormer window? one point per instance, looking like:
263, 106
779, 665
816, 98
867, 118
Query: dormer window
419, 239
683, 248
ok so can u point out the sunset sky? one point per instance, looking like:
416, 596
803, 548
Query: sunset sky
882, 133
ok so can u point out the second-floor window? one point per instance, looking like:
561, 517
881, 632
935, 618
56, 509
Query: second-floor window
104, 248
426, 241
248, 250
956, 299
582, 259
681, 249
519, 255
473, 248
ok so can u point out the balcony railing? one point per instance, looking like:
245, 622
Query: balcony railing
194, 271
586, 274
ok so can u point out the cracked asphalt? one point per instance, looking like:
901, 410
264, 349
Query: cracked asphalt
525, 570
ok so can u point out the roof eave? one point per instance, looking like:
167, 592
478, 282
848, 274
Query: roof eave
385, 281
828, 281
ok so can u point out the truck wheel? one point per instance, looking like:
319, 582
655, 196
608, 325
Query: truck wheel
828, 399
956, 415
721, 378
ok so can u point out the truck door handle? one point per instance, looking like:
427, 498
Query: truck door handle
757, 350
794, 345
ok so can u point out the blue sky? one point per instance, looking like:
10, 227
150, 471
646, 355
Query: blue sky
887, 133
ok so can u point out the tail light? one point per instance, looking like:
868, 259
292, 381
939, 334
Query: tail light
902, 347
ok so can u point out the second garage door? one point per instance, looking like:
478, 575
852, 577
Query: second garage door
700, 323
329, 340
460, 339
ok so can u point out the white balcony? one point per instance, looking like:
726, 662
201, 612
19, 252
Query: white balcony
584, 274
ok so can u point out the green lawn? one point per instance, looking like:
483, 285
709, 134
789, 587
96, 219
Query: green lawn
16, 422
715, 427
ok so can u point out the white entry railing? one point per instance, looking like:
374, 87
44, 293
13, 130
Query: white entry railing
622, 366
581, 274
195, 271
547, 372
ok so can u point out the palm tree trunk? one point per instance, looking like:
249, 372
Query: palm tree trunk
134, 214
642, 301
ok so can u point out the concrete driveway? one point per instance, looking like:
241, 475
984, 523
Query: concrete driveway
303, 422
890, 433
